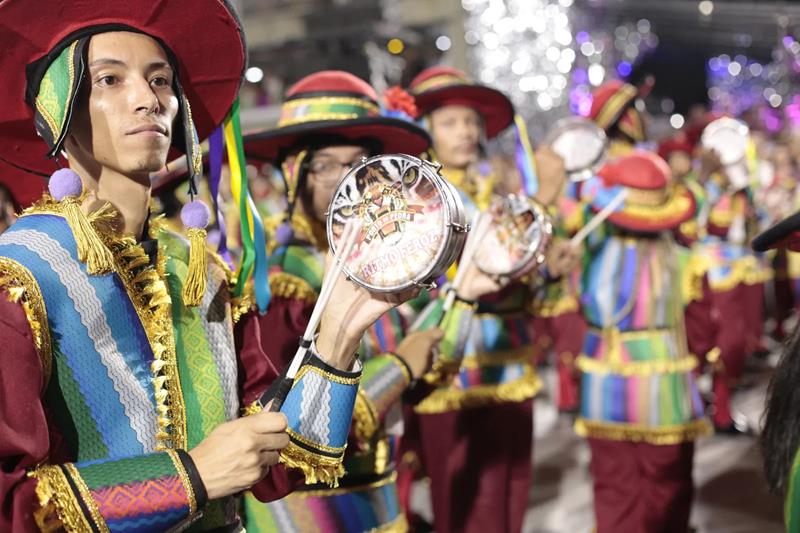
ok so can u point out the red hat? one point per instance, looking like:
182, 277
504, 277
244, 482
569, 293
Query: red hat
205, 37
337, 103
613, 105
25, 188
437, 87
653, 202
669, 146
784, 234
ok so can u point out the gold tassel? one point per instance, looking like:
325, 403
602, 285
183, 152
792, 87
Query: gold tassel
195, 286
91, 250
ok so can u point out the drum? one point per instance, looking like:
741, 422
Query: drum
413, 224
729, 138
581, 144
517, 238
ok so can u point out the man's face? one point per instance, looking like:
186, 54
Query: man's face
456, 132
124, 118
325, 168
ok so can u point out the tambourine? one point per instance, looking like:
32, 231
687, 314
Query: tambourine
581, 144
729, 138
517, 238
413, 223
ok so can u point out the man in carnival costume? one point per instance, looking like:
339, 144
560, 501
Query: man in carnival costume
476, 429
128, 353
329, 121
640, 407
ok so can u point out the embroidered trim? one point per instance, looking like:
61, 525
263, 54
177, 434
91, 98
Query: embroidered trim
56, 498
636, 368
324, 493
149, 296
290, 286
365, 417
315, 467
187, 483
443, 400
252, 409
86, 495
658, 435
305, 369
330, 450
23, 289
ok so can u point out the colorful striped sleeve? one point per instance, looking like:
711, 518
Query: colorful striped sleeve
383, 381
456, 323
154, 492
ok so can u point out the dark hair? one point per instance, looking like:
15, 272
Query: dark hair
781, 434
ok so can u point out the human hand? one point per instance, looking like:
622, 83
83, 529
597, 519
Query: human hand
417, 349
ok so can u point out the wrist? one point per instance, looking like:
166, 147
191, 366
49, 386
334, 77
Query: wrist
337, 348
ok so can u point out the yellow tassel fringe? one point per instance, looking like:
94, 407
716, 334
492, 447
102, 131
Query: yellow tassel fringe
658, 435
91, 250
316, 468
197, 277
60, 510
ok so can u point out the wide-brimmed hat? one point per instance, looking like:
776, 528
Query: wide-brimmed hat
438, 86
654, 202
613, 105
203, 38
336, 104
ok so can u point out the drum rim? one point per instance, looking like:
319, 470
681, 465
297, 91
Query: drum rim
435, 264
533, 257
721, 124
571, 123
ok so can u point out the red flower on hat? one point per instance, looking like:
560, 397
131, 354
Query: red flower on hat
397, 99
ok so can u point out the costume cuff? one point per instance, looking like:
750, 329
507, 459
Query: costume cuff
87, 496
385, 378
319, 408
456, 324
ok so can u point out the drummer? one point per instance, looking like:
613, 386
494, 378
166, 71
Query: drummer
476, 429
329, 121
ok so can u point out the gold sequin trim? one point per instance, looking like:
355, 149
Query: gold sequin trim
60, 508
23, 289
293, 287
88, 500
444, 400
187, 483
637, 368
658, 435
305, 369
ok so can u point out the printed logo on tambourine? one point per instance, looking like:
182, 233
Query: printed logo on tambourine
407, 214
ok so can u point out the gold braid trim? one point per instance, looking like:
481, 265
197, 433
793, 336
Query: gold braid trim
23, 289
636, 368
252, 409
444, 400
658, 435
292, 287
498, 358
148, 293
366, 487
365, 418
60, 509
187, 483
240, 305
316, 468
88, 500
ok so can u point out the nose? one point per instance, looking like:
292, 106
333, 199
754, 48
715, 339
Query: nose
142, 97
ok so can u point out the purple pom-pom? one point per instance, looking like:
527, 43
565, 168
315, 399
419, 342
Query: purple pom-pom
283, 234
65, 182
195, 214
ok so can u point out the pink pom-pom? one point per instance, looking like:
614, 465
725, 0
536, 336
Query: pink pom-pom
195, 214
65, 182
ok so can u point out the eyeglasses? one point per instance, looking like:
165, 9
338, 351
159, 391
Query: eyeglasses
330, 168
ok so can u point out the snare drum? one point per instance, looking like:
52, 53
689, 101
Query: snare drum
413, 224
581, 144
729, 138
517, 237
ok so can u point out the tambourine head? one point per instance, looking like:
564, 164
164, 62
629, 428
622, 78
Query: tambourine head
728, 137
517, 238
406, 214
581, 144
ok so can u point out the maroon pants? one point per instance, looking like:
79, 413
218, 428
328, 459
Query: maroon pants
565, 334
733, 333
479, 463
641, 488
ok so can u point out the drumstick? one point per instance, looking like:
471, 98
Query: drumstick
599, 218
349, 237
